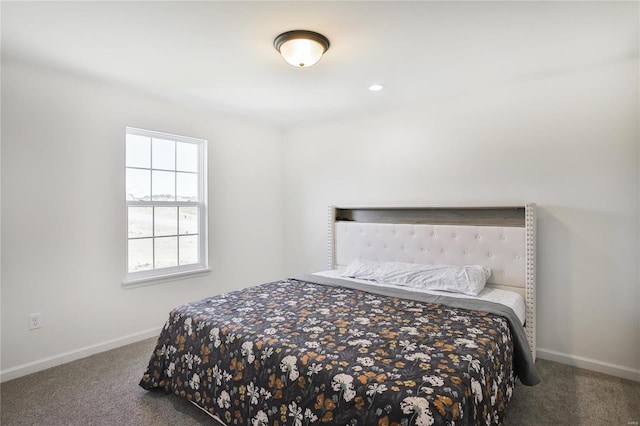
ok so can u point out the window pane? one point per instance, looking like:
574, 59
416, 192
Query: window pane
166, 221
164, 154
138, 184
166, 252
140, 255
138, 151
188, 220
187, 160
140, 222
189, 250
164, 186
187, 186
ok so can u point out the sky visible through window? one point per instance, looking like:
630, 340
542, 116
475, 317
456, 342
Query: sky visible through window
161, 170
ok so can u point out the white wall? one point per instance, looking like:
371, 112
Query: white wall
566, 141
63, 213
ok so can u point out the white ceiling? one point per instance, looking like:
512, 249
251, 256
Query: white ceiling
221, 55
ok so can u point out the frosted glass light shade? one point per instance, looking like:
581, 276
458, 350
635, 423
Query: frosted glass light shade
301, 48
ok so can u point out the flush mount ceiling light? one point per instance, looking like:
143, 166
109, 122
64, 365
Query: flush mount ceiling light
301, 48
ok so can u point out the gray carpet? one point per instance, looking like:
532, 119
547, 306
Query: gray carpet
103, 390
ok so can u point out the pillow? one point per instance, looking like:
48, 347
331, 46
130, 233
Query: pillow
468, 279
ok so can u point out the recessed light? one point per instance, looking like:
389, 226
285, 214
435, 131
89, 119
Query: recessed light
376, 87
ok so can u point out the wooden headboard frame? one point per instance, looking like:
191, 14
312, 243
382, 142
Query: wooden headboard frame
499, 237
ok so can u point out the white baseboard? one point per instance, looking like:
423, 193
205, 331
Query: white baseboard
43, 364
589, 364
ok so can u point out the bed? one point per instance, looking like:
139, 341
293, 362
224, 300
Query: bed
327, 348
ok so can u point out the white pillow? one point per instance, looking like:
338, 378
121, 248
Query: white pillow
468, 279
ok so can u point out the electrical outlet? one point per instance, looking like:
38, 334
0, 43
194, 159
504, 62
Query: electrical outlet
35, 321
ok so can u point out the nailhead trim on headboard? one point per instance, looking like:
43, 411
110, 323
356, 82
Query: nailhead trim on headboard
530, 227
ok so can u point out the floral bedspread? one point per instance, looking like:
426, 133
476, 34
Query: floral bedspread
297, 353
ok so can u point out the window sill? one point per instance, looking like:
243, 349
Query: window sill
157, 279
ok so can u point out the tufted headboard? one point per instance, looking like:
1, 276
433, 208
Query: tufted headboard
501, 238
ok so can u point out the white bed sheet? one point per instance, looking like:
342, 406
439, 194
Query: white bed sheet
504, 297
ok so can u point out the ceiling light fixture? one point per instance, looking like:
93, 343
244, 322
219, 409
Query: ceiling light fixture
301, 48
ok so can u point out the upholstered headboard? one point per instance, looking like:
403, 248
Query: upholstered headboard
501, 238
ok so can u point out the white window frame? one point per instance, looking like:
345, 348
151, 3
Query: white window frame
181, 271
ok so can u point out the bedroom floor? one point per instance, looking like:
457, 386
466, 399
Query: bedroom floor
103, 390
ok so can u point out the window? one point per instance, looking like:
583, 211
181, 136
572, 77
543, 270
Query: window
166, 198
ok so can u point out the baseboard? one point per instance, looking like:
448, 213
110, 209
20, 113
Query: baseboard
43, 364
589, 364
